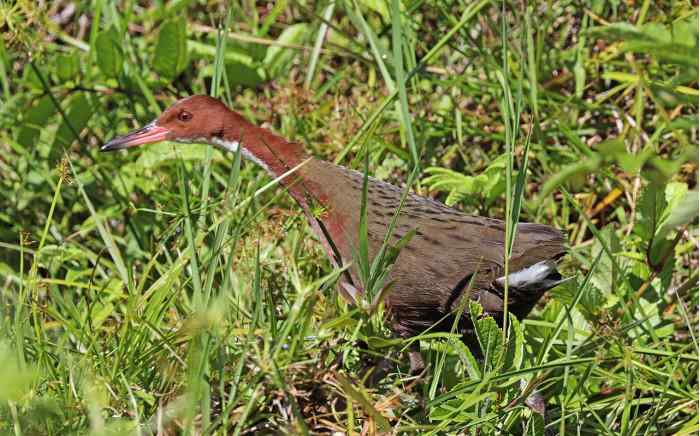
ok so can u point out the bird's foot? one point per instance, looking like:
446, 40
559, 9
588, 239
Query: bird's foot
374, 375
416, 361
536, 403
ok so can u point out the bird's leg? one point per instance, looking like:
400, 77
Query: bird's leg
536, 402
532, 399
350, 292
415, 357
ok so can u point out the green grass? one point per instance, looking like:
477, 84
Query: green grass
178, 290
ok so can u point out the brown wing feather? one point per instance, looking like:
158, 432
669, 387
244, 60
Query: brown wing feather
448, 248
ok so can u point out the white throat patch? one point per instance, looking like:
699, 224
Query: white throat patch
232, 146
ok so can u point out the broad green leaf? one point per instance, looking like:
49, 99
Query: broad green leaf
488, 335
661, 210
484, 187
682, 208
490, 340
592, 301
359, 395
651, 205
516, 344
67, 66
101, 312
108, 52
139, 173
278, 56
171, 49
468, 360
676, 43
163, 152
242, 74
4, 58
475, 310
79, 112
30, 78
34, 120
379, 6
652, 313
604, 276
241, 65
17, 381
233, 53
535, 425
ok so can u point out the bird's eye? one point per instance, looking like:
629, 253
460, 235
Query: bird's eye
184, 116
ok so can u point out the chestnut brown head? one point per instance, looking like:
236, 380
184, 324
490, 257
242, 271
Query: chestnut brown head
196, 119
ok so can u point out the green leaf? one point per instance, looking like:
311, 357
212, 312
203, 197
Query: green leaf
34, 120
241, 74
164, 152
108, 52
535, 425
605, 277
486, 187
360, 396
488, 334
475, 310
378, 6
675, 44
592, 300
78, 114
468, 359
4, 58
67, 66
17, 381
651, 205
394, 250
171, 49
682, 208
278, 56
662, 209
101, 312
376, 342
570, 173
516, 344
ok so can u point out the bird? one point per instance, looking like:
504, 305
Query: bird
449, 255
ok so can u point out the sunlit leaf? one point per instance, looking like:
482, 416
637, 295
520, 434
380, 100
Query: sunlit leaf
488, 335
68, 66
516, 344
484, 187
108, 52
676, 43
35, 119
278, 56
78, 114
17, 380
682, 208
171, 49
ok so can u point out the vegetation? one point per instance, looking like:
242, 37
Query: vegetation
176, 290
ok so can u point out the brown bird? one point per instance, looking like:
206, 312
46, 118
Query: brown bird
450, 253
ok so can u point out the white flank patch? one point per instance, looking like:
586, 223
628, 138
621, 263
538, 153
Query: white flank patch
532, 275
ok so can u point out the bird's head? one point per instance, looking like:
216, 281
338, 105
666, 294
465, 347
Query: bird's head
196, 119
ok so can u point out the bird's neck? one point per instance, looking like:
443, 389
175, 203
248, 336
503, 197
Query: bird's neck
275, 154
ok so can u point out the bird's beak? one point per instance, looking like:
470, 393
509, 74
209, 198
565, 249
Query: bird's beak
145, 135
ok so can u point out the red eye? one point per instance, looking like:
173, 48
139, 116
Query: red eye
184, 116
